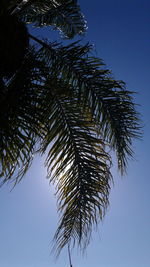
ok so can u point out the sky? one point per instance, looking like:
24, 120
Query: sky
120, 33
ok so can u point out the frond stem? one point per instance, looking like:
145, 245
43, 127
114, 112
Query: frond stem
69, 256
39, 41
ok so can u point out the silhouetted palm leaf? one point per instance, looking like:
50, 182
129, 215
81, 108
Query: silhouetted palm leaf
21, 117
111, 104
79, 165
63, 15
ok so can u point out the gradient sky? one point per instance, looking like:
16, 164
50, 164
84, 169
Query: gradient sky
121, 34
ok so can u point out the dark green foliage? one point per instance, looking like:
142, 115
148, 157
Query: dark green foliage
63, 101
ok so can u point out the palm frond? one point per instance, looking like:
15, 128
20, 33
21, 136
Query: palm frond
20, 118
69, 100
111, 104
62, 15
79, 165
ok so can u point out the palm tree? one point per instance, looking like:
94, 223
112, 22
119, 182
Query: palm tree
62, 101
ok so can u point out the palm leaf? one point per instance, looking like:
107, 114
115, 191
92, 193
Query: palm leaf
111, 104
20, 118
79, 165
63, 15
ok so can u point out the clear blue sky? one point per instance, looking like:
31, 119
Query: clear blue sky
120, 31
